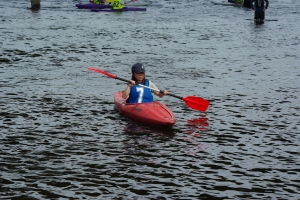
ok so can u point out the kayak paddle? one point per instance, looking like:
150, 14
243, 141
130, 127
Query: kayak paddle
194, 102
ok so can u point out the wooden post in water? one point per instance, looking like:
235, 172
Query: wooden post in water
35, 4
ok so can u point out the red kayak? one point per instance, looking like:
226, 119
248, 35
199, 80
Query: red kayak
153, 113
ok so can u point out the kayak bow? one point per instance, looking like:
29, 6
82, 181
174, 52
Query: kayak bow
153, 113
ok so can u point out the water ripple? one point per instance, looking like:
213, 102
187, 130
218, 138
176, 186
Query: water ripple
61, 137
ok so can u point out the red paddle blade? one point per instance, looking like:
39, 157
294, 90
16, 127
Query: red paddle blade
102, 72
196, 103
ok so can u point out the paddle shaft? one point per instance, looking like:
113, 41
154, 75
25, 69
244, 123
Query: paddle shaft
194, 102
125, 80
161, 91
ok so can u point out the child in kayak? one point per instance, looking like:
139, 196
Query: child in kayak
97, 1
138, 94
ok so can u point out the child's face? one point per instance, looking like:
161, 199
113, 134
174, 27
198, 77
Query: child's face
139, 76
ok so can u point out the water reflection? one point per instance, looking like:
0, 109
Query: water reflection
137, 128
35, 10
136, 144
141, 143
197, 126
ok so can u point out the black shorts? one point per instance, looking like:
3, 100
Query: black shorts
259, 15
